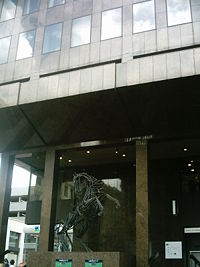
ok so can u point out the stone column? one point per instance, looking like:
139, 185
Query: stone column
7, 163
142, 244
48, 204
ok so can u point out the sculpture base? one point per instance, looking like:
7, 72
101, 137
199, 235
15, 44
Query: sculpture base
48, 259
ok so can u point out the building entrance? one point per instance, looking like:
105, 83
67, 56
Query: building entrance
193, 250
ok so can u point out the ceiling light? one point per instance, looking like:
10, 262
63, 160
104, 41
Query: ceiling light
191, 160
69, 160
185, 149
123, 155
88, 151
60, 157
189, 164
116, 151
192, 170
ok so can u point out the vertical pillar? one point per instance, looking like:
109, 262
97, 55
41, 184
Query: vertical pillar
48, 204
7, 163
142, 244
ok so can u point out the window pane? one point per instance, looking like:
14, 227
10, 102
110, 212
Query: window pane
8, 9
143, 16
52, 38
81, 31
111, 24
4, 49
26, 44
31, 6
52, 3
178, 12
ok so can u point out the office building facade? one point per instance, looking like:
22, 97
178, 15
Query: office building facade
111, 88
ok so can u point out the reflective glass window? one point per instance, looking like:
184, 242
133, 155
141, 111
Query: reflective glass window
4, 49
143, 16
178, 12
31, 6
26, 44
111, 24
52, 3
8, 9
81, 31
52, 38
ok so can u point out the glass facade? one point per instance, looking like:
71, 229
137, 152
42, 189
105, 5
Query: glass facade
8, 9
31, 6
52, 38
114, 171
143, 16
26, 45
81, 31
14, 241
178, 12
4, 49
111, 26
52, 3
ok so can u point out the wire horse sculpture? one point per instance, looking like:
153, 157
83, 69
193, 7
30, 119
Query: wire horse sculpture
89, 195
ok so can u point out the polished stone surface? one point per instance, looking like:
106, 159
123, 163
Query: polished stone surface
78, 258
47, 216
142, 236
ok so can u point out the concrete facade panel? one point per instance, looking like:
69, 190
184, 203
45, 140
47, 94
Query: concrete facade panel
146, 69
162, 39
139, 43
97, 78
196, 29
109, 76
187, 37
105, 50
74, 82
133, 74
187, 63
28, 92
63, 85
150, 41
9, 95
86, 80
173, 65
42, 92
197, 60
159, 67
174, 35
121, 75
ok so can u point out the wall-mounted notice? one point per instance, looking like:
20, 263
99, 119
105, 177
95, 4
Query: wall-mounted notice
93, 263
173, 250
63, 263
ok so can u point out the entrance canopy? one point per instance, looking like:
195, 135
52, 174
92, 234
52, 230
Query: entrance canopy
164, 109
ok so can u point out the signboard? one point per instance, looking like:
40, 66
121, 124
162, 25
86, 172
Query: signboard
192, 230
93, 263
173, 250
37, 229
63, 263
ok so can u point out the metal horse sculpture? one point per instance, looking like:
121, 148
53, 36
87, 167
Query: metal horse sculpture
89, 195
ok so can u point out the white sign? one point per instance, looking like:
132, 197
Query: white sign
173, 250
192, 230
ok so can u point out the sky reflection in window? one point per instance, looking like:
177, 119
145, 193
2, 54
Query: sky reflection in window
31, 6
4, 49
52, 38
178, 12
26, 45
81, 31
111, 24
52, 3
143, 16
8, 9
